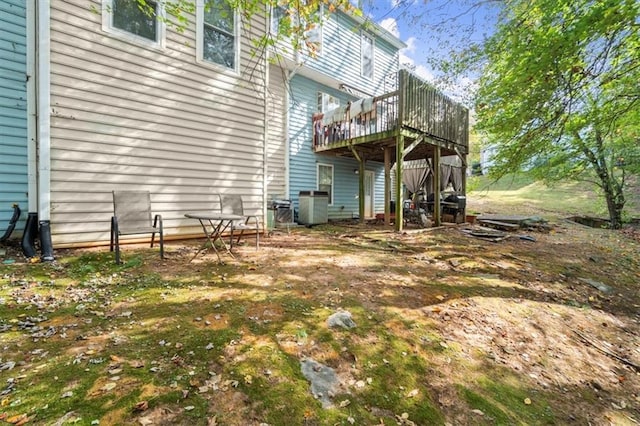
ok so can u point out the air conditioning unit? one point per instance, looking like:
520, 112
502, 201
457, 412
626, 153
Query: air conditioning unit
314, 207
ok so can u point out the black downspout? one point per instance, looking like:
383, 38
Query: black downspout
45, 241
29, 236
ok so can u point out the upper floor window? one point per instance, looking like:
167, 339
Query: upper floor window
327, 102
139, 21
366, 55
218, 39
278, 19
311, 40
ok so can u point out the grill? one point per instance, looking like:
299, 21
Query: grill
282, 212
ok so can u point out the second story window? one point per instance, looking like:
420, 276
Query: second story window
217, 33
279, 19
134, 20
307, 32
367, 55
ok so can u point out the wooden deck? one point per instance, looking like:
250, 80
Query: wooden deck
427, 118
411, 122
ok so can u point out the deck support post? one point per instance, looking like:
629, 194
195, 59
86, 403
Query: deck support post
387, 186
398, 189
463, 159
436, 186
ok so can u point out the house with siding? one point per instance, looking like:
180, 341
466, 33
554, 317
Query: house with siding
97, 96
127, 100
14, 55
354, 59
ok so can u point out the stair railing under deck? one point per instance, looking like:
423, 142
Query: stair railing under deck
363, 117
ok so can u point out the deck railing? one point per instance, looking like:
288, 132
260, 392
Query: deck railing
416, 104
364, 117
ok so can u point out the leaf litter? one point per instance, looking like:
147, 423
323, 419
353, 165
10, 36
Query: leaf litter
471, 319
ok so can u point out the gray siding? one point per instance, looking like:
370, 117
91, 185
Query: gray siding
340, 56
130, 116
13, 110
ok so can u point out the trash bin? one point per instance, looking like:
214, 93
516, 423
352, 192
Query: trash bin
314, 207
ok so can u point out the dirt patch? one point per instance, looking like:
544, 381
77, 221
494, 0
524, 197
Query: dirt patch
517, 331
516, 309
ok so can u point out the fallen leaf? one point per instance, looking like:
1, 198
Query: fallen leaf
16, 419
141, 406
412, 393
145, 421
136, 364
108, 387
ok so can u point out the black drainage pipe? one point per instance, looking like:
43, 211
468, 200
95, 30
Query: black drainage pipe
12, 223
45, 241
30, 234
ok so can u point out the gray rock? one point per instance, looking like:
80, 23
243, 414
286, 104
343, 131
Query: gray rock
323, 380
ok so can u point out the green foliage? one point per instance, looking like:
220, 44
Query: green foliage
559, 93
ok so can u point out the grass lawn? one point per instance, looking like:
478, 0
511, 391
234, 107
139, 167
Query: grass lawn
449, 329
518, 193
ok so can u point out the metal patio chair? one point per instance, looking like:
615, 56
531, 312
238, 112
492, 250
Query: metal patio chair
233, 204
132, 215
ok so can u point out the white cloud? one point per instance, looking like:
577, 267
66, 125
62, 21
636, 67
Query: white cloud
391, 25
411, 45
406, 54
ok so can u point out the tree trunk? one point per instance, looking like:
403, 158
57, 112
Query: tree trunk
615, 204
613, 189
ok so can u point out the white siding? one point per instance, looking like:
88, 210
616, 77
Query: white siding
276, 142
126, 116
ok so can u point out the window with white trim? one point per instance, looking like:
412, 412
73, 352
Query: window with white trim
311, 42
278, 17
366, 55
136, 21
325, 180
327, 102
314, 35
217, 33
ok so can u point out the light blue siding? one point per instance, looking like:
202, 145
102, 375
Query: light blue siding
340, 59
303, 161
13, 110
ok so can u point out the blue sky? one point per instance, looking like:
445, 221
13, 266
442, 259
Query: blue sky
433, 28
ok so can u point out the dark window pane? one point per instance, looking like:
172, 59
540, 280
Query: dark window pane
219, 14
127, 16
219, 47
